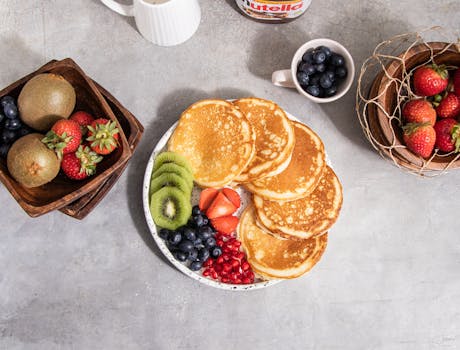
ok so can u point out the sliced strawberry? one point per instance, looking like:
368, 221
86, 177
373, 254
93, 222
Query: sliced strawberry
206, 198
233, 196
225, 224
220, 206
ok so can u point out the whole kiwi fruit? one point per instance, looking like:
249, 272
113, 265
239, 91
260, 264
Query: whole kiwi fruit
44, 99
31, 163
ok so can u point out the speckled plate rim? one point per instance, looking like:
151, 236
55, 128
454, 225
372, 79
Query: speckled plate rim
159, 147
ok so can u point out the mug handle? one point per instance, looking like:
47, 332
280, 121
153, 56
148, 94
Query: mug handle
125, 10
283, 78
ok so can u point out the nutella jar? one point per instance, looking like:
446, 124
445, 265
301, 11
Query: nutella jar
273, 11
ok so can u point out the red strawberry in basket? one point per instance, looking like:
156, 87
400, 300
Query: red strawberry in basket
420, 138
449, 107
64, 137
419, 111
83, 119
457, 82
103, 136
430, 80
81, 164
447, 135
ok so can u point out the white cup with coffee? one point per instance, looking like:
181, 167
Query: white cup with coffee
163, 22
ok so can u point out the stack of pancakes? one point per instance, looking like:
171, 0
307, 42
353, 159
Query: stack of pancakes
296, 195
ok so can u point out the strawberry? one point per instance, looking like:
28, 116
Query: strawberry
206, 198
449, 107
225, 224
447, 135
456, 81
419, 138
233, 196
430, 80
103, 136
419, 111
80, 164
83, 119
64, 137
220, 206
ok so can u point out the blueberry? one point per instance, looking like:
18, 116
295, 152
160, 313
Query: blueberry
326, 50
331, 75
319, 57
314, 80
192, 255
181, 256
331, 91
13, 124
4, 150
308, 68
8, 136
210, 242
196, 210
24, 131
303, 78
341, 72
164, 233
325, 82
313, 90
204, 232
199, 220
320, 67
174, 237
203, 254
197, 243
6, 100
308, 56
11, 111
185, 246
337, 60
196, 265
216, 252
189, 234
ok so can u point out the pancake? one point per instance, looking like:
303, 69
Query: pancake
217, 140
274, 138
276, 257
302, 174
306, 217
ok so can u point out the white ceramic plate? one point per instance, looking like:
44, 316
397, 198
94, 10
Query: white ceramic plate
160, 147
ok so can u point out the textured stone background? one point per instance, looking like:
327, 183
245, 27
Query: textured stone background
389, 279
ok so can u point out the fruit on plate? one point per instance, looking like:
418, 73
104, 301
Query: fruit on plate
103, 136
225, 224
171, 157
31, 163
430, 80
83, 119
170, 202
220, 206
170, 207
447, 135
64, 137
456, 82
80, 164
419, 111
419, 138
449, 107
206, 197
44, 99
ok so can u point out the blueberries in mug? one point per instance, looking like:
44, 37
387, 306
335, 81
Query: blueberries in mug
321, 71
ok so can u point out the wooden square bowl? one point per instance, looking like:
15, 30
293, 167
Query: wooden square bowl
62, 191
387, 89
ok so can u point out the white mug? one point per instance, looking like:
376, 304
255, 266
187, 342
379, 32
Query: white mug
163, 22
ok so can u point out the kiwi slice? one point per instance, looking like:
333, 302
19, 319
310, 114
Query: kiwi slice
171, 157
176, 169
170, 208
170, 179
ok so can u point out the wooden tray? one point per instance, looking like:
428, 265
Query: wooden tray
62, 191
133, 130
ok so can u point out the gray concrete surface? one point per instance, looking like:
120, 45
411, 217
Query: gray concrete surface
389, 279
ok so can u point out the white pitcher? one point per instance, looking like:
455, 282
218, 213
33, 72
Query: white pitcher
163, 22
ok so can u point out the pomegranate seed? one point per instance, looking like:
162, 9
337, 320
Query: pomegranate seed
246, 280
214, 274
227, 267
237, 244
226, 257
240, 256
245, 266
229, 246
235, 264
220, 260
225, 280
206, 273
224, 273
218, 268
219, 242
237, 281
250, 275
